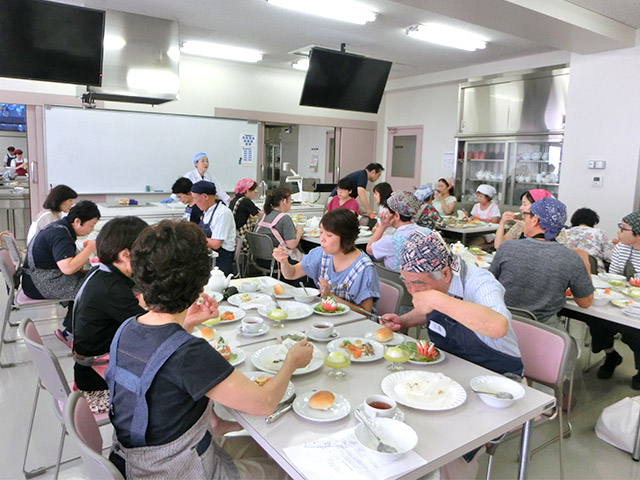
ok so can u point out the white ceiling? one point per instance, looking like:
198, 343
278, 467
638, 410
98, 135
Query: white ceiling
513, 28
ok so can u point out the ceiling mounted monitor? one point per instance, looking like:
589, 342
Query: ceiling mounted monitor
344, 81
50, 41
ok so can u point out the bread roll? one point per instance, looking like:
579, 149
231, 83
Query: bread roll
321, 400
384, 334
207, 333
278, 289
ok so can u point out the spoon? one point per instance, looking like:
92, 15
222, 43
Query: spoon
382, 447
502, 395
304, 288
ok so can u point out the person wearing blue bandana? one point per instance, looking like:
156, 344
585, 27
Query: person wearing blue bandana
201, 173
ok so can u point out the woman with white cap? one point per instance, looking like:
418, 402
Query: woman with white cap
200, 173
485, 209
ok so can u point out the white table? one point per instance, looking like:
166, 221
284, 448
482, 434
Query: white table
457, 431
477, 230
361, 240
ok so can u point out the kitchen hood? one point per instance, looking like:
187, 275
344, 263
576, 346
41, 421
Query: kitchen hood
141, 60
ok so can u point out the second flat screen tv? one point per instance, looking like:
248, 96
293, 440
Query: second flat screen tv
51, 41
344, 81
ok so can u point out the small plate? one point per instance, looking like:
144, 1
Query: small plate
623, 303
629, 313
240, 299
241, 356
378, 349
288, 392
395, 340
338, 410
342, 309
264, 328
262, 357
238, 314
399, 415
333, 336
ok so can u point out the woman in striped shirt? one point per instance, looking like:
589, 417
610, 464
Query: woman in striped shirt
625, 259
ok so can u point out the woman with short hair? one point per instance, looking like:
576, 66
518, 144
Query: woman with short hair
584, 236
338, 268
60, 199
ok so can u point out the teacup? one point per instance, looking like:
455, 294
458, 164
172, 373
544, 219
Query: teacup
249, 286
322, 329
252, 324
379, 406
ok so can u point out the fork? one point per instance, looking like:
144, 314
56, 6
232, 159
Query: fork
381, 447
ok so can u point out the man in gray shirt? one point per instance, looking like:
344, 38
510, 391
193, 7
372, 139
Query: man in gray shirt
536, 271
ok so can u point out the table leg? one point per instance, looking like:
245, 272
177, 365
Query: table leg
524, 450
636, 449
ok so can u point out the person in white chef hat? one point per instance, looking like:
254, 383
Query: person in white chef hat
485, 209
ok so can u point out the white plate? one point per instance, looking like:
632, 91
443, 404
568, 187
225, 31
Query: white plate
399, 415
240, 299
378, 348
217, 296
262, 358
365, 233
288, 392
241, 356
425, 398
395, 340
623, 303
612, 295
295, 310
288, 290
338, 410
238, 314
612, 276
333, 336
631, 314
342, 309
264, 328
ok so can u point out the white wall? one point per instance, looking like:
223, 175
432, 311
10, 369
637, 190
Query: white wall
308, 139
603, 123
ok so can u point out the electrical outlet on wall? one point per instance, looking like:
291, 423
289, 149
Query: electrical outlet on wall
596, 181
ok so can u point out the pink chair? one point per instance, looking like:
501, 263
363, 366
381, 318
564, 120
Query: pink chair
547, 355
9, 242
390, 294
16, 300
84, 433
50, 378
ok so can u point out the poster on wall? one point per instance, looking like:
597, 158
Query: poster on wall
315, 158
448, 161
248, 145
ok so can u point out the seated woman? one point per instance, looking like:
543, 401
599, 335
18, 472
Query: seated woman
244, 210
104, 301
181, 188
445, 201
277, 224
427, 215
343, 199
584, 236
337, 267
381, 192
527, 199
162, 415
485, 209
59, 200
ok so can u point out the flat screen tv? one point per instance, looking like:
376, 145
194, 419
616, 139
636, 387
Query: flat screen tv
50, 41
344, 81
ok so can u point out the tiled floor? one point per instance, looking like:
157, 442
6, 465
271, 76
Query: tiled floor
586, 457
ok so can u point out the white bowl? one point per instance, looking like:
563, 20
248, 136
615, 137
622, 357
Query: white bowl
392, 432
495, 384
613, 276
601, 299
300, 296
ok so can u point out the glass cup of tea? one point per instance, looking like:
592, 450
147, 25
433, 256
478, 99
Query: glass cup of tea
337, 362
397, 356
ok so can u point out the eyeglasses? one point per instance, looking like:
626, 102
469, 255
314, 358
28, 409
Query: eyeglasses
528, 213
622, 228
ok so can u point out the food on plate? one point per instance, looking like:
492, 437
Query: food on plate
227, 316
616, 283
295, 336
277, 315
329, 304
224, 349
207, 333
476, 250
634, 282
568, 293
278, 289
622, 303
384, 334
357, 348
421, 351
261, 380
322, 400
245, 297
425, 388
634, 292
313, 233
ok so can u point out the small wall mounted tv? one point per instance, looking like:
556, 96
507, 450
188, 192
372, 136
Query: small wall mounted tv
49, 41
344, 81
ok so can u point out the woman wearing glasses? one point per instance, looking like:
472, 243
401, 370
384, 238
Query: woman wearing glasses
527, 199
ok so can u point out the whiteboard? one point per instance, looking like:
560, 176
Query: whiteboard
116, 151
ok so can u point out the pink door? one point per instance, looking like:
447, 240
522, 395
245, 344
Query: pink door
404, 157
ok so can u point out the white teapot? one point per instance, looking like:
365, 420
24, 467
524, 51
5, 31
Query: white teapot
217, 281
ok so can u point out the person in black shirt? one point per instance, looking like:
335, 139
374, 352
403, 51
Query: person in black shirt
182, 189
245, 212
360, 178
105, 299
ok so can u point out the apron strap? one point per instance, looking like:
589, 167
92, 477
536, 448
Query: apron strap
102, 267
271, 227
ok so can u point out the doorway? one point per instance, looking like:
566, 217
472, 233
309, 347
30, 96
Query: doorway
404, 157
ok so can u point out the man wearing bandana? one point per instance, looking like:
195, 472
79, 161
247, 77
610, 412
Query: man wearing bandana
536, 271
464, 310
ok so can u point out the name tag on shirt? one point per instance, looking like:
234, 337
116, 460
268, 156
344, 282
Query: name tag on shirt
436, 327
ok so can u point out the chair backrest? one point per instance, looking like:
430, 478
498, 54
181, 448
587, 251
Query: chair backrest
84, 433
51, 375
394, 277
593, 264
390, 293
8, 268
9, 242
239, 241
260, 245
545, 351
521, 312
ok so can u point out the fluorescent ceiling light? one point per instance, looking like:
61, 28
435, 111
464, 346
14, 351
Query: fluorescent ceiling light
450, 37
174, 54
113, 42
225, 52
344, 11
302, 64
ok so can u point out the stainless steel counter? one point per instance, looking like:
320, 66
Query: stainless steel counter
15, 213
